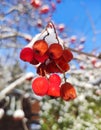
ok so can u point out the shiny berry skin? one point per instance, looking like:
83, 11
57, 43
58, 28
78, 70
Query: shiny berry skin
55, 51
53, 90
40, 86
26, 54
36, 3
42, 58
54, 85
67, 55
62, 65
40, 47
55, 79
67, 92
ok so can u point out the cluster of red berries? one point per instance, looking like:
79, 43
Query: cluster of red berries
53, 87
50, 60
43, 8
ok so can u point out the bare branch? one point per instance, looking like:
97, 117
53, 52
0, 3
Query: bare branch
8, 33
84, 53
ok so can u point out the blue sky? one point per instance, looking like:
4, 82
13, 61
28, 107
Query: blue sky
79, 15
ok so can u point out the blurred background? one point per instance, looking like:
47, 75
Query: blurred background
78, 23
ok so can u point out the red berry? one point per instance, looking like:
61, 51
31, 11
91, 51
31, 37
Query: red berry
36, 3
52, 68
55, 79
67, 92
62, 62
53, 6
94, 61
67, 55
61, 27
58, 1
28, 38
62, 65
82, 40
34, 62
55, 51
40, 47
39, 23
44, 9
42, 58
26, 54
54, 85
40, 86
73, 39
53, 90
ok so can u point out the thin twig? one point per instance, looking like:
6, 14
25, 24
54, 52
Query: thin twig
84, 53
55, 31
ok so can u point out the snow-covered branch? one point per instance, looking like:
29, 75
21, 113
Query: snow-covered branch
9, 32
15, 84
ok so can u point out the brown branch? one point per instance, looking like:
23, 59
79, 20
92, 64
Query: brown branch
55, 32
9, 33
84, 53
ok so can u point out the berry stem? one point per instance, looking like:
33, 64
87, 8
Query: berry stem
46, 35
59, 67
64, 76
54, 31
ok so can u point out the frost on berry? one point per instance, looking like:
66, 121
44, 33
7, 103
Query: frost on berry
36, 3
61, 27
44, 9
73, 39
48, 52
